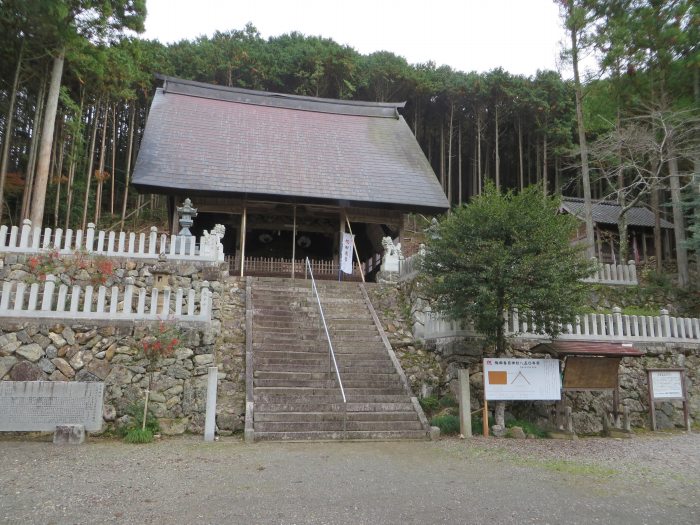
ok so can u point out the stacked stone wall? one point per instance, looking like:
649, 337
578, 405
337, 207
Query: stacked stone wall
112, 351
432, 365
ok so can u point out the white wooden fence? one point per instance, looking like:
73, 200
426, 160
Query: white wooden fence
46, 301
619, 274
589, 327
613, 274
32, 240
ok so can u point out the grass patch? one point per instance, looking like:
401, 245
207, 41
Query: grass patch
573, 467
448, 425
138, 436
528, 427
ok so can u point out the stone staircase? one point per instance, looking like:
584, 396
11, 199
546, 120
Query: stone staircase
294, 395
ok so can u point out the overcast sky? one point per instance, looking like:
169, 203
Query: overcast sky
521, 36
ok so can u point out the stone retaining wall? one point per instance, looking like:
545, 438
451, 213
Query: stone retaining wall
432, 369
112, 351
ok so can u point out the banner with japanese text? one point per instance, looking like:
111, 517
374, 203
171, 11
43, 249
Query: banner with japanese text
346, 248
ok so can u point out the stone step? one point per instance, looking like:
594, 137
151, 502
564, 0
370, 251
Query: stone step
389, 435
365, 384
315, 376
387, 368
315, 406
318, 426
321, 397
343, 364
336, 416
325, 389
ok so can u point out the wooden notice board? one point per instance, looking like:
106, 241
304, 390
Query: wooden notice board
667, 384
591, 373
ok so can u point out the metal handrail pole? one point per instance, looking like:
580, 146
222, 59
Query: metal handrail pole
325, 327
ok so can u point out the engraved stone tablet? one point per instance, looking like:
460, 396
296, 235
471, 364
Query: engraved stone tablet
42, 405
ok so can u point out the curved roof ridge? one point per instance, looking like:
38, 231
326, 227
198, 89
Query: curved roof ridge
282, 100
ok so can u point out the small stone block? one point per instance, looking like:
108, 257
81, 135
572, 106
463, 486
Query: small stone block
434, 433
69, 435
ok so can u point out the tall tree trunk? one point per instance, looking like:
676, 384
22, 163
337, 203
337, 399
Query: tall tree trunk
544, 165
73, 161
4, 160
128, 167
442, 157
59, 176
101, 169
42, 173
498, 159
449, 155
114, 158
91, 161
459, 160
520, 154
33, 152
583, 145
678, 221
478, 154
658, 248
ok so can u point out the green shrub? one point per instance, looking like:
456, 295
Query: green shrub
136, 435
528, 427
429, 404
447, 424
448, 402
478, 425
135, 413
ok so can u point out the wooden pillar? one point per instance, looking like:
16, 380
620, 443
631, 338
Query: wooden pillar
243, 227
294, 241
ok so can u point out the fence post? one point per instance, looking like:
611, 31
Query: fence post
24, 236
90, 237
49, 286
617, 314
666, 320
633, 271
152, 240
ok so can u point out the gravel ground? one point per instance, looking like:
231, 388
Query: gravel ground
648, 479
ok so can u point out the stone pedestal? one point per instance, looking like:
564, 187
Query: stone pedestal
69, 435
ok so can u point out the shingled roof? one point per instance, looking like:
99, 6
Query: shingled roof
608, 213
202, 139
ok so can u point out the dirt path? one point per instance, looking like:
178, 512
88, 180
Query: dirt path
644, 480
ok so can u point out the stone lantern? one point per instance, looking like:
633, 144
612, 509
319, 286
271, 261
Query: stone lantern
186, 213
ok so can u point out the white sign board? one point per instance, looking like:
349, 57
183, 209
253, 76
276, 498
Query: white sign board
346, 253
42, 405
510, 379
667, 385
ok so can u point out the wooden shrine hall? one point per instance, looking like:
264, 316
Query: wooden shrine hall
285, 174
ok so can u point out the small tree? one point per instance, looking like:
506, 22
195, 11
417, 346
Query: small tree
506, 251
159, 345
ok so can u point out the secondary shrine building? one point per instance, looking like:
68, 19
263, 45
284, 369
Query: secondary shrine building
285, 174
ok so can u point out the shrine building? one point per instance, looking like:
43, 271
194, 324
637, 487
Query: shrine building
285, 174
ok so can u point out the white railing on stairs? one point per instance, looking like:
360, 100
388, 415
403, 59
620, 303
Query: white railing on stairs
613, 326
62, 302
28, 239
333, 364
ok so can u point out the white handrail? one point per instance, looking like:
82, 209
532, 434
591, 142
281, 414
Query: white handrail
325, 327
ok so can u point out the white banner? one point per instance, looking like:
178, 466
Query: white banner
667, 385
346, 253
511, 379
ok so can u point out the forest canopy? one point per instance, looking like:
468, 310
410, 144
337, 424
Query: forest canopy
76, 83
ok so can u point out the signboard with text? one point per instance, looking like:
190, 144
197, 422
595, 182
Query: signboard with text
511, 379
667, 384
346, 253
